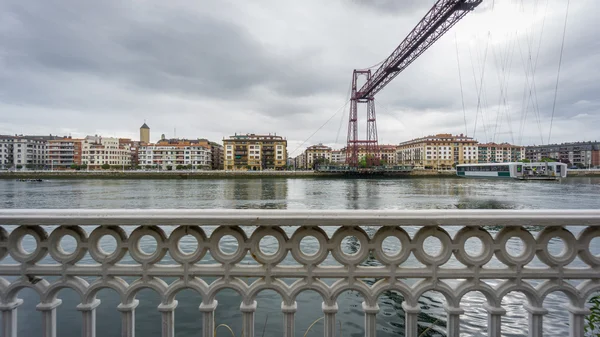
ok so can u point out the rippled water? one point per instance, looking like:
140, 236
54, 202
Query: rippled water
572, 193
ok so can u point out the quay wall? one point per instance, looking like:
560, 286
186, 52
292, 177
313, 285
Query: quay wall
231, 174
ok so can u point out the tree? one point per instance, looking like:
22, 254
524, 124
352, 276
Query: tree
190, 166
74, 166
548, 160
105, 166
19, 167
524, 161
362, 162
169, 167
83, 166
319, 161
148, 167
179, 167
29, 166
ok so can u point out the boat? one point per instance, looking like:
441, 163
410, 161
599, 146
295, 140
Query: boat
514, 170
30, 180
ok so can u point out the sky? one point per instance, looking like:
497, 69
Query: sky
213, 68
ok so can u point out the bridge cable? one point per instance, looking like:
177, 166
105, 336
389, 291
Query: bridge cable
342, 117
480, 89
562, 47
462, 96
320, 127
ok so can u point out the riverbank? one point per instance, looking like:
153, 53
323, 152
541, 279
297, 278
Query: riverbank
201, 174
230, 174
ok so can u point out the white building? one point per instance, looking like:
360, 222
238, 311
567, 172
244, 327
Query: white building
19, 152
97, 151
317, 154
174, 153
338, 156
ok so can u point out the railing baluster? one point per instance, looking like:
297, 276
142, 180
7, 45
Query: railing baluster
411, 319
49, 317
208, 318
371, 312
167, 311
248, 311
536, 320
289, 320
494, 320
329, 322
453, 329
577, 320
88, 313
9, 317
128, 318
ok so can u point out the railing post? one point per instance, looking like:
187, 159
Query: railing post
88, 313
167, 312
329, 324
289, 311
248, 311
370, 319
9, 317
453, 329
494, 320
577, 320
536, 320
49, 317
208, 318
411, 319
128, 318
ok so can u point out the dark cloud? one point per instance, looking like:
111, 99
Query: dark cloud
225, 66
394, 7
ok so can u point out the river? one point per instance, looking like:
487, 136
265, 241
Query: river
297, 194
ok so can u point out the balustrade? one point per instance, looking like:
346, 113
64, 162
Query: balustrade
369, 229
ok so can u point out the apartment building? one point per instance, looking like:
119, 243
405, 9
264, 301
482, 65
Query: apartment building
300, 161
64, 152
338, 157
440, 151
217, 154
170, 153
134, 147
23, 152
317, 154
388, 154
500, 153
98, 151
583, 154
6, 152
255, 152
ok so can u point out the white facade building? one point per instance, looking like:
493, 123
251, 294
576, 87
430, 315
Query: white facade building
162, 155
338, 156
18, 152
98, 151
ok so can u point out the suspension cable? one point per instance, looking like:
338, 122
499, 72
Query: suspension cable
462, 96
562, 47
320, 127
342, 117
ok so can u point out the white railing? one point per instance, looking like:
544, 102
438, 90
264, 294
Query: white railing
128, 227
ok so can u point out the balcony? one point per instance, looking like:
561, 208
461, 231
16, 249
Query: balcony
414, 231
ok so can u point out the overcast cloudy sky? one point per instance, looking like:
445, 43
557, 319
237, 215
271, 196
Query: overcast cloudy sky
210, 69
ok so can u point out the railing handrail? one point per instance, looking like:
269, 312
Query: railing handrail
167, 217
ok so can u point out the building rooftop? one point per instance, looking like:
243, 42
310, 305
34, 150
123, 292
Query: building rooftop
145, 126
252, 136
